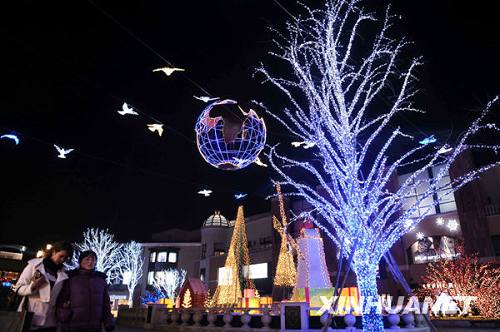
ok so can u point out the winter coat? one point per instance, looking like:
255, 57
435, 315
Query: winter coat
41, 301
83, 304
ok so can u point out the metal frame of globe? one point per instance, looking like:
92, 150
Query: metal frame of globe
240, 152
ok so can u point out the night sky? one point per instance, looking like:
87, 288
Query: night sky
69, 65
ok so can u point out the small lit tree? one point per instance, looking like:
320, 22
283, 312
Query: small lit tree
131, 267
187, 300
464, 276
108, 251
168, 282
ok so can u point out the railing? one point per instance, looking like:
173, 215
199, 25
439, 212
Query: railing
492, 209
246, 319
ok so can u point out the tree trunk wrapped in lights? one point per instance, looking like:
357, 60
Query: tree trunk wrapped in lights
235, 276
337, 77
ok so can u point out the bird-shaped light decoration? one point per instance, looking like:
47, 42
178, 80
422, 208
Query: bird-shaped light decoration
158, 127
12, 137
259, 162
62, 152
126, 109
445, 149
205, 192
240, 196
428, 140
168, 70
206, 99
306, 145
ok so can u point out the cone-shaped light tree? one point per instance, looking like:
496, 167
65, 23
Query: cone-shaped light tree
286, 272
236, 278
338, 74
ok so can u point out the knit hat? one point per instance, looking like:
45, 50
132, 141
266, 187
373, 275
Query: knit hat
86, 253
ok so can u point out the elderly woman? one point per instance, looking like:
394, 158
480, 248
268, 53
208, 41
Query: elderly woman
40, 283
83, 303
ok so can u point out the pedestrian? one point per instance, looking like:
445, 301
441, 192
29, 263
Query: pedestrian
40, 283
83, 304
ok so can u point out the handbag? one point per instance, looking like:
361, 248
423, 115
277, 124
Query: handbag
13, 321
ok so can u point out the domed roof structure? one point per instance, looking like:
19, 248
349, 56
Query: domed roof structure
217, 220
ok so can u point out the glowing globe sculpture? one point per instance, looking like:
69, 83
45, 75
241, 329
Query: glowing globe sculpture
231, 141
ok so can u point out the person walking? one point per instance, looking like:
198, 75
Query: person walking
40, 283
83, 304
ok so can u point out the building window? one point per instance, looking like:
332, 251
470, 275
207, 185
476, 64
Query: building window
162, 257
203, 251
266, 242
172, 257
432, 249
151, 277
202, 274
219, 249
152, 257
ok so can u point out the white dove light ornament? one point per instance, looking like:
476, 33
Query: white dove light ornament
206, 99
126, 109
205, 192
158, 127
168, 70
62, 152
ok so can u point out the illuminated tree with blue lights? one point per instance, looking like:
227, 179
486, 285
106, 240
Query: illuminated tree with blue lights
338, 79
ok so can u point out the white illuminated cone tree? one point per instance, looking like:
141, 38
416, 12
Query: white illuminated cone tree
336, 77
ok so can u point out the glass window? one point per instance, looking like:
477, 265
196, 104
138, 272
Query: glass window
152, 257
203, 250
172, 257
219, 249
162, 257
151, 276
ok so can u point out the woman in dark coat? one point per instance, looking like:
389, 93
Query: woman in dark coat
83, 304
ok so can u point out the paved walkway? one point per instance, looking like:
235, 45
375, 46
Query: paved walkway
442, 329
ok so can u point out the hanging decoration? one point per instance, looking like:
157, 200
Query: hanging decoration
168, 70
62, 152
239, 196
428, 140
11, 137
205, 192
126, 109
206, 99
158, 127
230, 141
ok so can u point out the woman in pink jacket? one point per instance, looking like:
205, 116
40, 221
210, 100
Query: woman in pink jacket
40, 284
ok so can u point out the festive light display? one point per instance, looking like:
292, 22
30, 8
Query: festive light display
445, 149
285, 268
168, 282
465, 276
209, 300
11, 137
131, 267
240, 196
127, 110
108, 251
205, 192
168, 70
158, 127
428, 140
229, 142
452, 225
62, 152
229, 291
206, 99
331, 89
186, 300
420, 236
